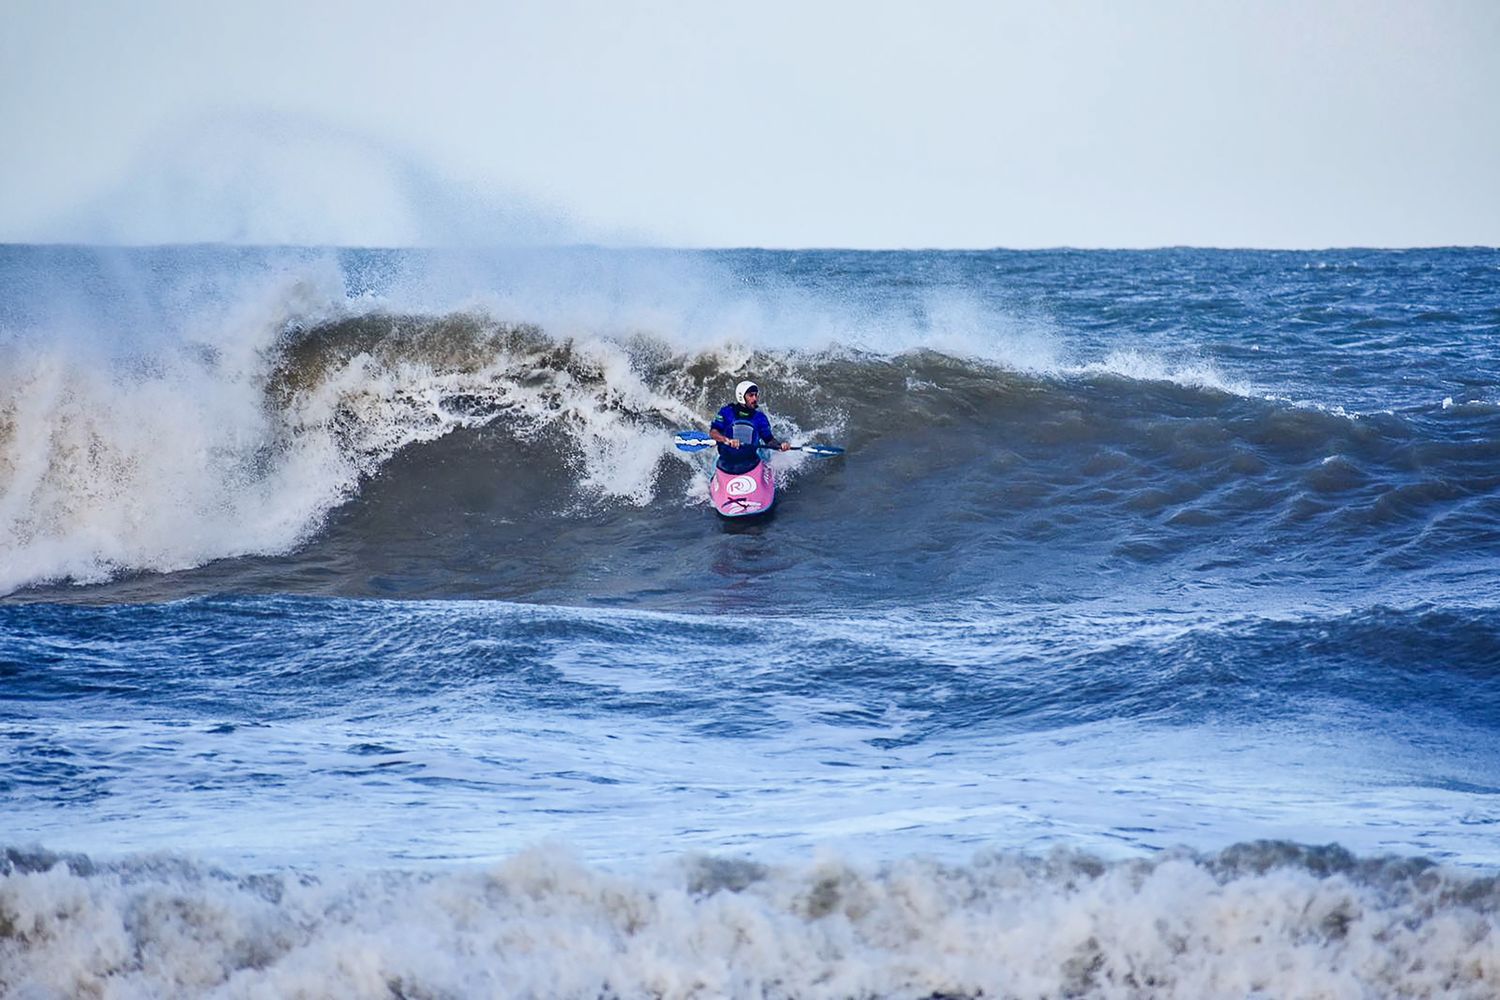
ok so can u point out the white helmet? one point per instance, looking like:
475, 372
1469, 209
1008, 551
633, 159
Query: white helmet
744, 388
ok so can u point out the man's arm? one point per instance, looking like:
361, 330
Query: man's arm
767, 435
719, 436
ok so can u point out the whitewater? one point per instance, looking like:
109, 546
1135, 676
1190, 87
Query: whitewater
362, 633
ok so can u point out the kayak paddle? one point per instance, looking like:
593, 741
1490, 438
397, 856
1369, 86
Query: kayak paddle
696, 441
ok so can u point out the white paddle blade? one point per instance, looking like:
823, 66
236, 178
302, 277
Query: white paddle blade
692, 441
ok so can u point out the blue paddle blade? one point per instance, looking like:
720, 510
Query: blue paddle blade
823, 450
692, 441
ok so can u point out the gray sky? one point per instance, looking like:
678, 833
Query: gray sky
1296, 124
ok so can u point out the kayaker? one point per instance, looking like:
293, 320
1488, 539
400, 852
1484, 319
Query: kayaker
739, 428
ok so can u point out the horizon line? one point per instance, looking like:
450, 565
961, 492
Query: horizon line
739, 248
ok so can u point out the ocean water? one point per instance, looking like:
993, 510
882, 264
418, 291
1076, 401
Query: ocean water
362, 633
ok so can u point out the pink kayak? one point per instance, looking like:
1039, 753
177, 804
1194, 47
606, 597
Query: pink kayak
745, 494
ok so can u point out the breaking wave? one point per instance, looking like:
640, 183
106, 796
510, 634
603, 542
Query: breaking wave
197, 454
235, 411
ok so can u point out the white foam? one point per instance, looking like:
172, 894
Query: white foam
544, 924
175, 455
1146, 367
157, 461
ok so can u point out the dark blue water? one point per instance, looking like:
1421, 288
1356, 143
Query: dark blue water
326, 564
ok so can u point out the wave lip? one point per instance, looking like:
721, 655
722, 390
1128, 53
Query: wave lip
1265, 918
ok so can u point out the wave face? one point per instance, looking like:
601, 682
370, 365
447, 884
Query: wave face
335, 582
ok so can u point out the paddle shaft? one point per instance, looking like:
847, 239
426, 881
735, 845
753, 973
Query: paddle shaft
695, 441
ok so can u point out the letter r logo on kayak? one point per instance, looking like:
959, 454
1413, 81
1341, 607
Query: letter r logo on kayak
740, 485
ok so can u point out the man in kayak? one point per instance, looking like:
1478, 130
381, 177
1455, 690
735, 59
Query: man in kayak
739, 428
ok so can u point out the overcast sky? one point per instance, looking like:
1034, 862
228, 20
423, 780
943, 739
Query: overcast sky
952, 124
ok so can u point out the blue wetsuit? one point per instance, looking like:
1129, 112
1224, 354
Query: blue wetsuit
747, 426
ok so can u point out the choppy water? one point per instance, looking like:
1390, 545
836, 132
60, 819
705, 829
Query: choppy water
340, 581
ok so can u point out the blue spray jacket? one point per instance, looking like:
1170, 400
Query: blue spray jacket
747, 426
